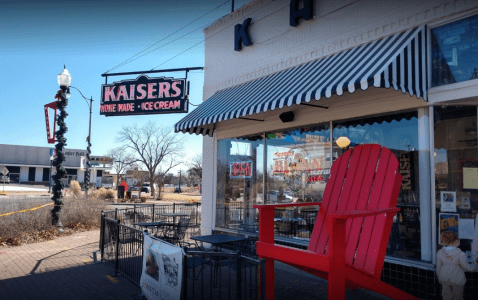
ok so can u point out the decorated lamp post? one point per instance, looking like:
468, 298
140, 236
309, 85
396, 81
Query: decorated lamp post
88, 140
64, 80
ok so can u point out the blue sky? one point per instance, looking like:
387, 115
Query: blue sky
90, 38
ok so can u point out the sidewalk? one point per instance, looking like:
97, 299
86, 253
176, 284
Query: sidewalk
64, 269
60, 269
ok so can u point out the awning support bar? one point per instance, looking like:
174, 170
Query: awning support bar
250, 119
319, 106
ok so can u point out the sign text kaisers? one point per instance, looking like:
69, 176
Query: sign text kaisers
144, 95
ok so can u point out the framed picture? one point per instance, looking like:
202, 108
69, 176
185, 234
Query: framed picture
465, 203
448, 201
448, 225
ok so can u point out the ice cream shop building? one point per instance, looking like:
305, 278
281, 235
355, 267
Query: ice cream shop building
290, 85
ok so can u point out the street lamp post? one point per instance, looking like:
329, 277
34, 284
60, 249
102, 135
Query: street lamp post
88, 139
64, 80
179, 181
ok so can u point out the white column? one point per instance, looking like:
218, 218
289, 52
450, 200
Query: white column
434, 224
424, 183
80, 176
208, 203
23, 174
38, 174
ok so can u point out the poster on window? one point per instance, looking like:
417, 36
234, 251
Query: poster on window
162, 270
448, 224
448, 201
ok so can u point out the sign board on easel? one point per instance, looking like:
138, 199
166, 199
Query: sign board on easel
162, 275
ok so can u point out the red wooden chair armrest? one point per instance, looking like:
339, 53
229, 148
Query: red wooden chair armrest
286, 205
363, 213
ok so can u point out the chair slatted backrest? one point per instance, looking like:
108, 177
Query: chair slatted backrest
364, 177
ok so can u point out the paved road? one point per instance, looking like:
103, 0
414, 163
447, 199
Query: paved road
23, 187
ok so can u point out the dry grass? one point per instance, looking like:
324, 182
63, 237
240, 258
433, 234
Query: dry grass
179, 197
79, 214
184, 189
103, 193
75, 188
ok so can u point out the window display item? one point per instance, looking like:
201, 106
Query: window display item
465, 203
448, 226
474, 246
448, 201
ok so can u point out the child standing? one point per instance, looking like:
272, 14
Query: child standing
451, 267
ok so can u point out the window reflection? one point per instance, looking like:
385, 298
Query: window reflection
399, 133
298, 164
456, 170
239, 183
454, 52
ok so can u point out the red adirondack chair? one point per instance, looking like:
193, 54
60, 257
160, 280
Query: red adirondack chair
352, 228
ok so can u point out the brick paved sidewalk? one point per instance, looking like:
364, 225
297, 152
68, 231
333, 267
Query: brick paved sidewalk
60, 269
64, 269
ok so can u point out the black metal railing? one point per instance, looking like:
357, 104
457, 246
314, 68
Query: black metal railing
122, 246
208, 275
149, 212
219, 275
294, 223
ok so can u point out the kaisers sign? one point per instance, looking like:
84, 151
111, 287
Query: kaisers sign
144, 95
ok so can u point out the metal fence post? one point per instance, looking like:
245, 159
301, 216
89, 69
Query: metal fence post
262, 282
238, 274
154, 205
117, 249
184, 293
116, 213
102, 235
174, 207
134, 213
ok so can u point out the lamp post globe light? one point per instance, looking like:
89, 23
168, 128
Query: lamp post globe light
64, 80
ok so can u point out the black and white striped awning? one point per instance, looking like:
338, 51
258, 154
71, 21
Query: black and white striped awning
397, 61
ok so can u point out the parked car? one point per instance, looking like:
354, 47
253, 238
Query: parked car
6, 178
146, 188
178, 190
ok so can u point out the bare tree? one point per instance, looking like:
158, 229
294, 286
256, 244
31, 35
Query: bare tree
139, 175
122, 162
195, 169
156, 147
195, 166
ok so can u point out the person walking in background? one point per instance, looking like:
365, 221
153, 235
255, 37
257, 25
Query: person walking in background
451, 267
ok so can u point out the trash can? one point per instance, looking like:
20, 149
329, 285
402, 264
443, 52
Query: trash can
120, 192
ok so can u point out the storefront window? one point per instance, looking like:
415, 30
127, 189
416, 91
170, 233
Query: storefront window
456, 172
239, 183
454, 52
298, 164
399, 133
